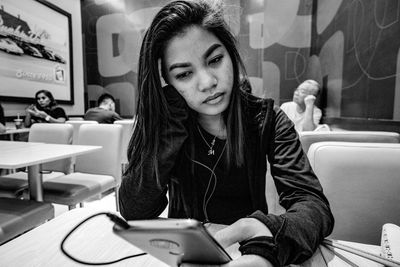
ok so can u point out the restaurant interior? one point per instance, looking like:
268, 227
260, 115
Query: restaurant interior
53, 176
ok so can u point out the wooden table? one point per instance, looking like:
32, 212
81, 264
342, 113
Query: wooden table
11, 131
30, 154
95, 242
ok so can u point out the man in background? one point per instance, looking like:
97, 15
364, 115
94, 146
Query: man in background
105, 112
302, 110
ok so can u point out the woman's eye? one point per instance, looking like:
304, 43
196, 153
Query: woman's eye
183, 75
216, 59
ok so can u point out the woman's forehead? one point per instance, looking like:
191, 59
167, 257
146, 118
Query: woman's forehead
193, 42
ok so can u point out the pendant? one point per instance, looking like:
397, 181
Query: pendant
210, 152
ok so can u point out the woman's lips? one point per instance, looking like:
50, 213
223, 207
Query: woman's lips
213, 99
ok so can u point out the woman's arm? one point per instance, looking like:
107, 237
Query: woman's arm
141, 196
2, 128
308, 218
28, 116
57, 115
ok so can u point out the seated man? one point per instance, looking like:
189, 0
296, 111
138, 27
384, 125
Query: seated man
302, 111
105, 112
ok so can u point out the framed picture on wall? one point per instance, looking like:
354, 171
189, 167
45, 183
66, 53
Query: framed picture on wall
35, 51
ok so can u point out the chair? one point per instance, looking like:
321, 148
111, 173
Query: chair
13, 185
128, 127
77, 124
362, 184
75, 118
95, 173
18, 216
308, 138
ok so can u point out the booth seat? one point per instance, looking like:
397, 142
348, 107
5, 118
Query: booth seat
310, 137
362, 184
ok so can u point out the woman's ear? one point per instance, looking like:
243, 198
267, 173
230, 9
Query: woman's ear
163, 83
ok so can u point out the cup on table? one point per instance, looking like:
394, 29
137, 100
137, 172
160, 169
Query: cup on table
18, 123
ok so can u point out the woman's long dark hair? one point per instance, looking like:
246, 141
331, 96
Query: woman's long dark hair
47, 93
172, 20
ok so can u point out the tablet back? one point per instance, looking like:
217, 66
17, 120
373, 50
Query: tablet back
174, 241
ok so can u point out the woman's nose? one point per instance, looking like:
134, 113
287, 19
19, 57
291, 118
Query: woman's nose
207, 80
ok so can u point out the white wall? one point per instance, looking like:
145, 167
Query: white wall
74, 8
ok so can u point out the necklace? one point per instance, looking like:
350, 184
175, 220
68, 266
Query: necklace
211, 150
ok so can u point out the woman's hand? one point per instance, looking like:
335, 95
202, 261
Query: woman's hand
29, 110
241, 230
41, 114
243, 261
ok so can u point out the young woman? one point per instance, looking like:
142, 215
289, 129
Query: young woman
204, 139
45, 110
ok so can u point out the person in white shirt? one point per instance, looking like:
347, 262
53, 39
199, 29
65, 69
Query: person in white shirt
302, 110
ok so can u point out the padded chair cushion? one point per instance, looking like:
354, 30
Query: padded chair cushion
18, 216
362, 184
309, 138
74, 188
10, 187
128, 127
13, 185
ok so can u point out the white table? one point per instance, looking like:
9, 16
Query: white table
11, 131
29, 154
95, 242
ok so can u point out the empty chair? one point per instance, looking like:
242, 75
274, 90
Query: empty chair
14, 184
362, 184
20, 215
95, 173
75, 118
308, 138
128, 127
77, 124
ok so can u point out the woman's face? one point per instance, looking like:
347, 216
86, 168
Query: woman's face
198, 65
43, 100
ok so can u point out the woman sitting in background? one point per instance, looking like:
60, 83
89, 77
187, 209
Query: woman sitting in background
2, 120
46, 110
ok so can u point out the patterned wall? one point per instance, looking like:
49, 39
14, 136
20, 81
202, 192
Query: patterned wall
351, 47
357, 47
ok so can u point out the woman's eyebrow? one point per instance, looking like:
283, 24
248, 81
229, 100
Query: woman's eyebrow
211, 49
208, 52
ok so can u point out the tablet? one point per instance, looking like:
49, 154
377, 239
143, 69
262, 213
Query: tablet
174, 241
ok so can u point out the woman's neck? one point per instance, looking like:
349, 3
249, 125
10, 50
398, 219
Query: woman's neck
215, 125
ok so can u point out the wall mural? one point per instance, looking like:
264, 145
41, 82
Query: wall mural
350, 47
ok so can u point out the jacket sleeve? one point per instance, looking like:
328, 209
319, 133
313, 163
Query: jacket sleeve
308, 218
141, 196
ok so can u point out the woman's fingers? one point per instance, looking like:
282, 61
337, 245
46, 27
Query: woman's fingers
242, 229
243, 261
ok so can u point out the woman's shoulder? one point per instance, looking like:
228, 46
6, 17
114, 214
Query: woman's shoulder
255, 105
57, 107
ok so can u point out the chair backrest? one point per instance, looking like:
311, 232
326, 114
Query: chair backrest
53, 133
362, 184
77, 124
75, 118
106, 161
128, 127
308, 138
